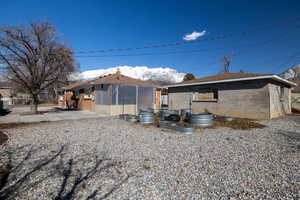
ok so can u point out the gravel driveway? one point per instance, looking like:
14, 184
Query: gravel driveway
108, 158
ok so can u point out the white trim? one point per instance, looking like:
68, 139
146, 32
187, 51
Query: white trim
273, 77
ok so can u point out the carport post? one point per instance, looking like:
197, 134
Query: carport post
136, 99
190, 103
123, 105
117, 95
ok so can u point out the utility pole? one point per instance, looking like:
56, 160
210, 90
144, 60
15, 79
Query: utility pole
226, 60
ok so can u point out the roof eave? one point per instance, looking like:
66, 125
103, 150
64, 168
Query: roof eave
274, 77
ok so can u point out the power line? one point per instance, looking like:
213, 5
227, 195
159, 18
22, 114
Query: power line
225, 36
183, 52
245, 51
290, 58
210, 63
167, 53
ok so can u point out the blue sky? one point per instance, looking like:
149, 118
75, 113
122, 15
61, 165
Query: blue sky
92, 25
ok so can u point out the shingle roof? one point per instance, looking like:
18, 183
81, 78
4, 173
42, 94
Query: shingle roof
119, 78
73, 85
225, 76
116, 78
230, 77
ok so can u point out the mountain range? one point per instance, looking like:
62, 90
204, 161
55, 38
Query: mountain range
292, 73
161, 74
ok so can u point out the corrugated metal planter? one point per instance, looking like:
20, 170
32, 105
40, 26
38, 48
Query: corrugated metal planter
166, 113
185, 112
173, 118
127, 117
227, 119
146, 118
123, 116
131, 118
146, 110
224, 118
163, 114
201, 119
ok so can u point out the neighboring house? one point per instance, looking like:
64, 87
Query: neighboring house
296, 89
5, 93
244, 95
296, 97
113, 94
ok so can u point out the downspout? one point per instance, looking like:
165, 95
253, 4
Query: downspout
270, 100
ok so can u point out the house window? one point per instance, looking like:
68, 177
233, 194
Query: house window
102, 86
205, 95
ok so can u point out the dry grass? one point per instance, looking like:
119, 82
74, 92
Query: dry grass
238, 124
16, 125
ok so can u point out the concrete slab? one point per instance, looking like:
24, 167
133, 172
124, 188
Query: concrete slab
31, 118
18, 116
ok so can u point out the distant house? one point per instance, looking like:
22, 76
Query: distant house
296, 97
5, 94
296, 89
113, 94
244, 95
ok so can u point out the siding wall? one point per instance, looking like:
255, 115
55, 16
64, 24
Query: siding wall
123, 99
249, 99
113, 110
280, 104
103, 94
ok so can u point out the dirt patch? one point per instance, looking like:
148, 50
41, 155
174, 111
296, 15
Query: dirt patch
295, 111
3, 138
16, 125
238, 124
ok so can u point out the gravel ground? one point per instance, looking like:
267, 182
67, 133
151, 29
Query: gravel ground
112, 159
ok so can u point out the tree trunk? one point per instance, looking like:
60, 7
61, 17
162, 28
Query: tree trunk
34, 107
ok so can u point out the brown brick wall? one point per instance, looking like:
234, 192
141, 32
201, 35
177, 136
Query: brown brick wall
85, 104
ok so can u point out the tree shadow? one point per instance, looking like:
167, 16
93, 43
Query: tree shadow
292, 140
58, 175
4, 112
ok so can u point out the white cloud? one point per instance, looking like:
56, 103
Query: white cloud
194, 35
139, 72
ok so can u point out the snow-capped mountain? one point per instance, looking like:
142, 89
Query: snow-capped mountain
139, 72
292, 73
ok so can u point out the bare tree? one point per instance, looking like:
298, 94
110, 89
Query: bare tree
226, 60
188, 77
34, 58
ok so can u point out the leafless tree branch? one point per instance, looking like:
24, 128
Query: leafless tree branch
34, 58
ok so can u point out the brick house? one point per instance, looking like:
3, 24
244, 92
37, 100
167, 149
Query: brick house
113, 94
5, 94
244, 95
